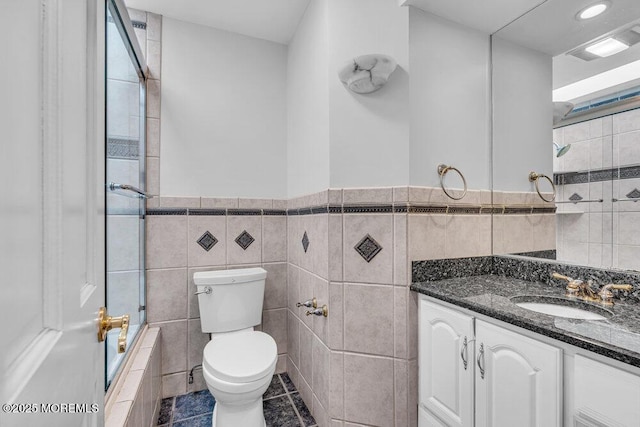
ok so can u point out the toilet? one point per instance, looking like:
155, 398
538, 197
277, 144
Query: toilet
238, 362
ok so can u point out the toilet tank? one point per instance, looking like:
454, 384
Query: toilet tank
235, 300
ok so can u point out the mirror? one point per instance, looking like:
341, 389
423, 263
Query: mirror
547, 57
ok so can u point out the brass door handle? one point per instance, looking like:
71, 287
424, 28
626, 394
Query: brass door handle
106, 323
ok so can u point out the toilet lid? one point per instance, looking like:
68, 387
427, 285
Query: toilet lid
241, 357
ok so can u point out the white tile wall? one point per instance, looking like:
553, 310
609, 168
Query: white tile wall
607, 234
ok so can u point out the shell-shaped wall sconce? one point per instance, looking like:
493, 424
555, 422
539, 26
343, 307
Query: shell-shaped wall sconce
367, 73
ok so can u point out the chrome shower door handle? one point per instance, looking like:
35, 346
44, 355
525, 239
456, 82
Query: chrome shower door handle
479, 359
115, 186
464, 355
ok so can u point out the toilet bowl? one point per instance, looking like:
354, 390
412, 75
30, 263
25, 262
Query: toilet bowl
238, 369
238, 363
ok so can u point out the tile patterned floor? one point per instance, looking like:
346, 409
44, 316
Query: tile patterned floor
283, 407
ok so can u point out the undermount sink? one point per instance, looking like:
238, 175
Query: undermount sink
561, 307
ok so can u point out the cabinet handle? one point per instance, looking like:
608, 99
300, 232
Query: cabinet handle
481, 358
464, 353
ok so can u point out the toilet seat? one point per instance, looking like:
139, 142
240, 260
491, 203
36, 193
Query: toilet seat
240, 358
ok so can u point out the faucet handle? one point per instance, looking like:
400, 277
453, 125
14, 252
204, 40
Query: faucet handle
322, 311
561, 277
309, 303
606, 296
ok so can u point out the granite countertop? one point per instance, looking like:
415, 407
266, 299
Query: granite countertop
617, 337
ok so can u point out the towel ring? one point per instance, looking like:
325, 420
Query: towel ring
442, 171
533, 177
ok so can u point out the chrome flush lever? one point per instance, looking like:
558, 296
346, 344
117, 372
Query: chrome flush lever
207, 290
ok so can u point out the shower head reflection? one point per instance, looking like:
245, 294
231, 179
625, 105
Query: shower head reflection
561, 150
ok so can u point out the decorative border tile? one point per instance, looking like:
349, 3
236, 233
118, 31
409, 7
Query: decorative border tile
571, 178
507, 210
630, 172
139, 25
437, 209
155, 211
274, 212
544, 210
627, 172
244, 212
497, 210
207, 212
335, 209
471, 210
369, 209
123, 148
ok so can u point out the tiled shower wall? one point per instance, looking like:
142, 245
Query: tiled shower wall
603, 163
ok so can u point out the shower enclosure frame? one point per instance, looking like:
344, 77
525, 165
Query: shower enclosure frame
116, 9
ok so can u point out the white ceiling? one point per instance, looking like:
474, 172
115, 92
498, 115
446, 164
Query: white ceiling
273, 20
487, 15
553, 29
548, 26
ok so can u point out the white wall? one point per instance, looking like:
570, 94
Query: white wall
450, 101
223, 113
308, 104
523, 112
369, 133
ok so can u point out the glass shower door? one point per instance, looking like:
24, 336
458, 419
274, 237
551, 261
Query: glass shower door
125, 180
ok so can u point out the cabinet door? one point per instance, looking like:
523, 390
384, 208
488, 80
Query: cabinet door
604, 395
446, 364
518, 380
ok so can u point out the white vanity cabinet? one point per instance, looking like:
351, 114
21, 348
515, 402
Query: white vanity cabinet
516, 380
446, 365
604, 395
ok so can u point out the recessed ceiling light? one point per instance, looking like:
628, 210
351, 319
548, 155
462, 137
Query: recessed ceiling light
593, 10
607, 47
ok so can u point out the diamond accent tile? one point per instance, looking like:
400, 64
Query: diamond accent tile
635, 194
207, 241
244, 240
575, 197
368, 248
305, 242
